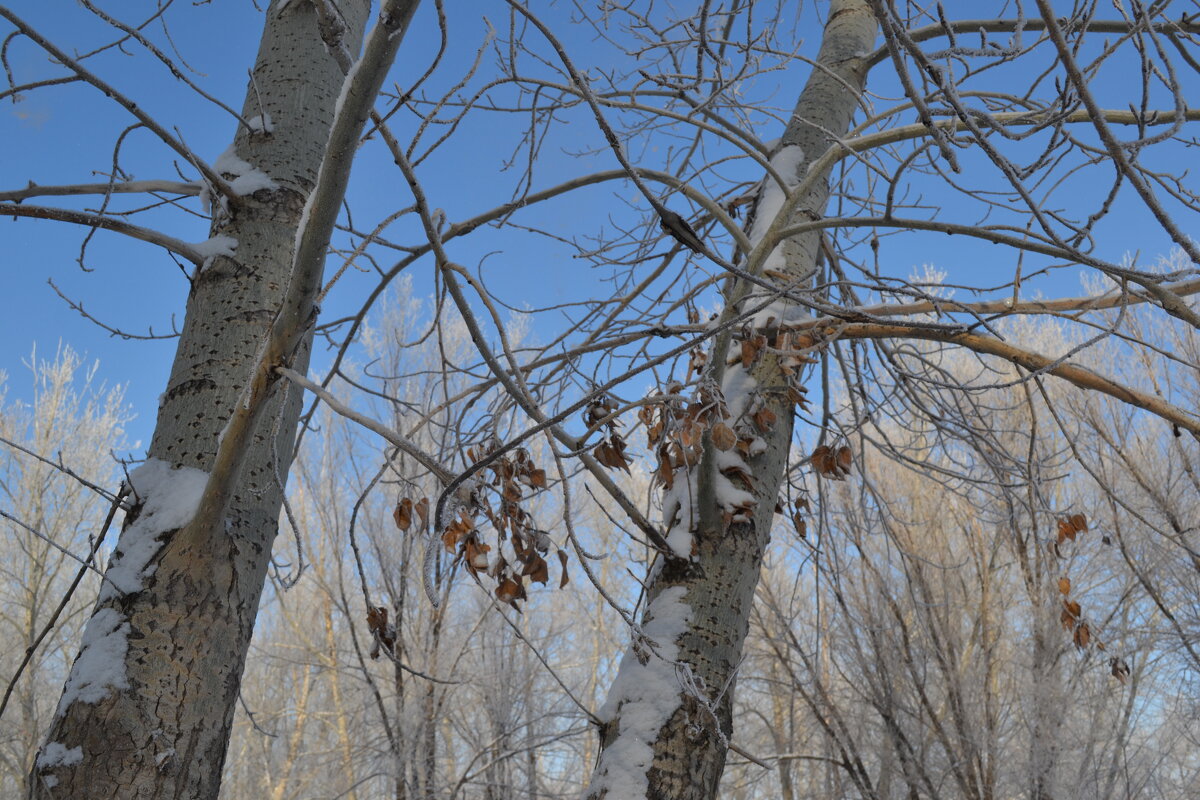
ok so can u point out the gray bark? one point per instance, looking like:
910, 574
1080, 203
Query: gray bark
720, 579
190, 627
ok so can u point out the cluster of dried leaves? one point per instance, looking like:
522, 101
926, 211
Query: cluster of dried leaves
832, 462
610, 451
1072, 614
382, 631
515, 478
791, 348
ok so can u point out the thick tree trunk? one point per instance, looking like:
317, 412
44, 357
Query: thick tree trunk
698, 608
148, 710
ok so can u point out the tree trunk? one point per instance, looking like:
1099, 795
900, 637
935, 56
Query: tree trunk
158, 724
698, 607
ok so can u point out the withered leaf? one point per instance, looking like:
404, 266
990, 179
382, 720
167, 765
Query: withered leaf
723, 437
765, 419
538, 570
384, 634
562, 581
797, 397
1083, 635
403, 514
801, 525
510, 591
665, 473
749, 352
1069, 527
422, 508
1064, 585
690, 432
475, 555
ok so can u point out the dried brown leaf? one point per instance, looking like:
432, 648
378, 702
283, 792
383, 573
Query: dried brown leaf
723, 437
403, 514
562, 558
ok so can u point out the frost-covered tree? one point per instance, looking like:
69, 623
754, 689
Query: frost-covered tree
56, 454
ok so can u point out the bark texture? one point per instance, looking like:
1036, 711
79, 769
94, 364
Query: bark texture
720, 579
165, 736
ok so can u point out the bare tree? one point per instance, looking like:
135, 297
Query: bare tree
56, 462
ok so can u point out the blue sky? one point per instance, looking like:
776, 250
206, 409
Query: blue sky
63, 134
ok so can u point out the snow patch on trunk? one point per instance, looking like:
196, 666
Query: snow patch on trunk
214, 246
681, 510
642, 699
242, 177
261, 123
787, 163
169, 499
100, 666
55, 754
681, 502
246, 178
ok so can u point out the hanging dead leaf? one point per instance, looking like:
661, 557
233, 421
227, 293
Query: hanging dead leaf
565, 579
796, 396
723, 437
1064, 585
654, 433
664, 473
475, 555
611, 453
1070, 527
422, 509
831, 462
403, 514
690, 432
749, 353
537, 570
765, 419
1083, 635
383, 633
510, 591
